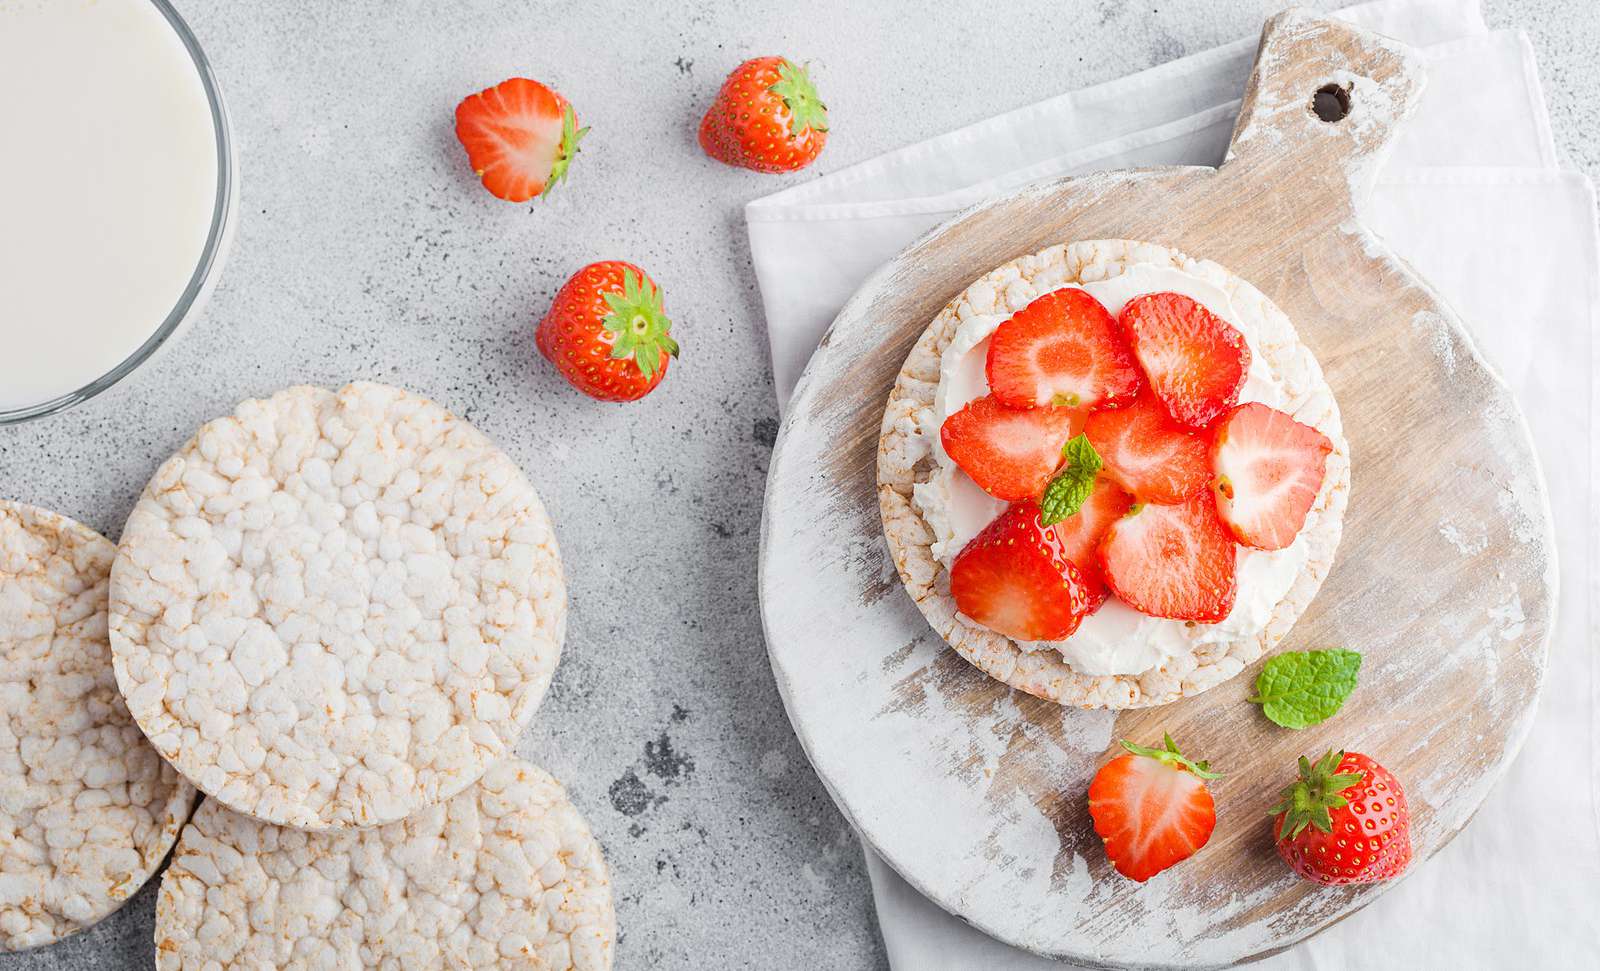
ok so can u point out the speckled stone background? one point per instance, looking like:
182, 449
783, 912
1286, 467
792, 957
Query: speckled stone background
365, 249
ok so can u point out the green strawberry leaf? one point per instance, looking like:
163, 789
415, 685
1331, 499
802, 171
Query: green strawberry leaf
1168, 753
1071, 487
1309, 799
1303, 688
571, 135
806, 110
640, 329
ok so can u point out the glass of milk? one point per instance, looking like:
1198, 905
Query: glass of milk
117, 192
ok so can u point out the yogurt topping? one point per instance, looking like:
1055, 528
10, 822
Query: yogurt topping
1116, 639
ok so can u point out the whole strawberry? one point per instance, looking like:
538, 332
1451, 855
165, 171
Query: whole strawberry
606, 332
520, 136
1344, 821
767, 117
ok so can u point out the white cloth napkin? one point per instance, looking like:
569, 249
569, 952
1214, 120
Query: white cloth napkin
1471, 196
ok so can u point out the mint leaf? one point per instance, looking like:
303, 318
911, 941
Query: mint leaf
1081, 456
1064, 496
1303, 688
1071, 487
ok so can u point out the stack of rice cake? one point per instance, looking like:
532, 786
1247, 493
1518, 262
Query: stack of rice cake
333, 613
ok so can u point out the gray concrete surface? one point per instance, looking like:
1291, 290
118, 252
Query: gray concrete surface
366, 250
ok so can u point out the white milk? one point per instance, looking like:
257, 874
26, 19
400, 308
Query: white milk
108, 182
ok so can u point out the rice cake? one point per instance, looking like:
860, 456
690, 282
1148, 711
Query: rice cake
506, 874
88, 810
905, 461
331, 609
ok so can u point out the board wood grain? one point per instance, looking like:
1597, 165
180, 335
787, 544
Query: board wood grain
1445, 579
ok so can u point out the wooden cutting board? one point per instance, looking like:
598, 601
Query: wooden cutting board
1445, 579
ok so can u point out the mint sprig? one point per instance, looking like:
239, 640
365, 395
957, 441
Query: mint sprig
1303, 688
1071, 487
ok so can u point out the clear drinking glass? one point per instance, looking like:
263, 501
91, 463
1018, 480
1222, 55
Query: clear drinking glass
211, 257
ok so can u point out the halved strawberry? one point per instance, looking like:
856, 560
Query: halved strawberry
1081, 532
1009, 453
1149, 454
1062, 349
1196, 362
1172, 561
1015, 579
520, 137
1152, 809
1269, 468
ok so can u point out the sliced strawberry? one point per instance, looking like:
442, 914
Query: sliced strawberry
1015, 579
1008, 453
1152, 809
520, 137
1149, 454
1062, 349
1196, 362
1269, 468
1172, 561
1081, 532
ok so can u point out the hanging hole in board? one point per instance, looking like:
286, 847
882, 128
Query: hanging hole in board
1331, 102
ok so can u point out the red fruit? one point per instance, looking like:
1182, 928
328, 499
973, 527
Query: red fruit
1149, 454
1344, 821
1062, 349
1152, 808
1015, 579
1081, 532
1195, 361
1172, 561
606, 332
1269, 468
1010, 454
767, 117
520, 137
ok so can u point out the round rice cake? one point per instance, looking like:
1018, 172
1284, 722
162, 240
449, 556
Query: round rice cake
506, 874
331, 609
905, 460
88, 810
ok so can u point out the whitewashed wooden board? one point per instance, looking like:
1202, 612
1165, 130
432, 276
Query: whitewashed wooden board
1445, 578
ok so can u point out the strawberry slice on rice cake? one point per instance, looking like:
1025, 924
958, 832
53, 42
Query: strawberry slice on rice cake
1127, 482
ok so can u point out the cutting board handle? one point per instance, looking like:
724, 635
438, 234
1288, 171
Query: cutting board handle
1323, 105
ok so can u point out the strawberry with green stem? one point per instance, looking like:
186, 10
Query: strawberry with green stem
520, 137
1344, 820
1151, 808
766, 117
607, 334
